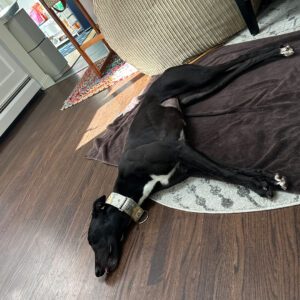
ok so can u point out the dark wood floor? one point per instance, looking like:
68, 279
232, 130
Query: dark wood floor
46, 191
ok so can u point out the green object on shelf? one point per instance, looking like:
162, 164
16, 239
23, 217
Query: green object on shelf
59, 6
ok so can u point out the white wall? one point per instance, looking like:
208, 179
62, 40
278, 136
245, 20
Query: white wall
26, 4
88, 4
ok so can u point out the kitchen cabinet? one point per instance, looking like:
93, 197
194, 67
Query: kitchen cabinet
16, 88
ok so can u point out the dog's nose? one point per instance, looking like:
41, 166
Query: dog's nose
99, 271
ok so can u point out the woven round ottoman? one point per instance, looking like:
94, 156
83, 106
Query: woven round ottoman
154, 35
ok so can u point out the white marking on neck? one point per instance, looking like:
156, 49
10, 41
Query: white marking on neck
181, 137
149, 186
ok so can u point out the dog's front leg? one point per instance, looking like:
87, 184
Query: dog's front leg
200, 165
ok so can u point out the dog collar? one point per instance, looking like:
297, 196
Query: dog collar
126, 205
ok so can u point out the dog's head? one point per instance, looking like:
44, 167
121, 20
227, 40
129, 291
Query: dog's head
106, 231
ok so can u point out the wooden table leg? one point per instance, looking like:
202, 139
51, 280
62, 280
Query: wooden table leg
71, 38
246, 9
90, 20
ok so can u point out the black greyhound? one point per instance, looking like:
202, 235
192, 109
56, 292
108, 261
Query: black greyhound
156, 155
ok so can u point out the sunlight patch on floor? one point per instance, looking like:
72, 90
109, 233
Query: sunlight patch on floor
109, 111
103, 117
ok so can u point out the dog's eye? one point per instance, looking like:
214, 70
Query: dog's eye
99, 204
99, 207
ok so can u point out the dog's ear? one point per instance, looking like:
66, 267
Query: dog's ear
99, 204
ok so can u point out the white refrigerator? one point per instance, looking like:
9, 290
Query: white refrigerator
37, 45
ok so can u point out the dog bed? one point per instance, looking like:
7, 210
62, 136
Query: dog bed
155, 35
254, 122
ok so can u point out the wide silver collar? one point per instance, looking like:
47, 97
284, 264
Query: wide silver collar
126, 205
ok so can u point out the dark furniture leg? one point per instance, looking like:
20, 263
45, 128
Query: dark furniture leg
246, 9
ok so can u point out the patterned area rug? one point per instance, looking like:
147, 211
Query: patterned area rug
212, 196
90, 84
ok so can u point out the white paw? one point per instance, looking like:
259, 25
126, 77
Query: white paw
281, 181
286, 50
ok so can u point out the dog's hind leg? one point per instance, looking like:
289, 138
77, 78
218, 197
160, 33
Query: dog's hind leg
200, 165
274, 179
194, 82
235, 68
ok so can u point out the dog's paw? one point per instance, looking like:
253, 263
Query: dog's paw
277, 181
264, 185
263, 188
267, 190
280, 181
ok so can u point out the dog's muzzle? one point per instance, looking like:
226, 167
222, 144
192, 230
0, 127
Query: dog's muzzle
128, 206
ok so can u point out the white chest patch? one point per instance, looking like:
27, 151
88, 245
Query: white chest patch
149, 186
